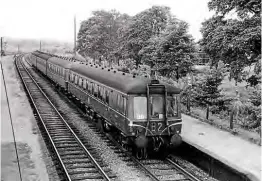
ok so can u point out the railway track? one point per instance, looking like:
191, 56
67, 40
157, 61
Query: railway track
160, 170
76, 161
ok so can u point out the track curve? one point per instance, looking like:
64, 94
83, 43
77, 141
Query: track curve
76, 161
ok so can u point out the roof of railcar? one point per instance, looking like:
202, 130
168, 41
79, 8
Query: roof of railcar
42, 55
60, 62
124, 83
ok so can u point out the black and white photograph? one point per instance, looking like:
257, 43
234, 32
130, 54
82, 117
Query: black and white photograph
130, 90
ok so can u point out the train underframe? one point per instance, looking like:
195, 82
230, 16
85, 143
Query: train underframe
141, 146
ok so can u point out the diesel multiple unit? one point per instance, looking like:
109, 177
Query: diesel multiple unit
144, 113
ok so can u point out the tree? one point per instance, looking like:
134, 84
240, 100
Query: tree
97, 36
205, 91
141, 28
172, 51
237, 42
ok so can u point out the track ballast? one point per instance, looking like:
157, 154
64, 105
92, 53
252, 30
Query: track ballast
75, 160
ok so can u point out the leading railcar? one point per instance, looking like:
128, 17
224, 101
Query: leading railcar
145, 113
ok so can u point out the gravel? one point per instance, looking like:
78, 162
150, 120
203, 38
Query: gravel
194, 170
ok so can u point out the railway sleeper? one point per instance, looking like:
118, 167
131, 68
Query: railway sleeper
89, 176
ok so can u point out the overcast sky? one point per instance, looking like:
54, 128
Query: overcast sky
53, 19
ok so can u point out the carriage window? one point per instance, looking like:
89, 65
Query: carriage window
72, 77
75, 79
114, 99
103, 91
157, 106
95, 90
171, 106
140, 108
107, 96
124, 105
84, 83
80, 82
90, 87
87, 85
100, 92
119, 103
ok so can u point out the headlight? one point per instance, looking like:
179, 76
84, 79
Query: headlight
173, 128
140, 129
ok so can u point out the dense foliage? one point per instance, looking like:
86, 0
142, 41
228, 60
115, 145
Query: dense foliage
98, 35
205, 90
171, 52
153, 37
235, 41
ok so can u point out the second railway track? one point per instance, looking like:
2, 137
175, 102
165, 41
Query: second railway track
75, 159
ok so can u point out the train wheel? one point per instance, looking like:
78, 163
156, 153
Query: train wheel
141, 153
100, 125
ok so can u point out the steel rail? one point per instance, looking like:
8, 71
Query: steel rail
49, 136
182, 170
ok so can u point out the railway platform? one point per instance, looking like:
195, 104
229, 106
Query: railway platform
223, 146
29, 150
9, 166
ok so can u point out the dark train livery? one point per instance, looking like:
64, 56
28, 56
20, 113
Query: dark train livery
145, 113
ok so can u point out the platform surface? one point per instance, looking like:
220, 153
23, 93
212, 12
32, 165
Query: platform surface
9, 166
232, 150
32, 158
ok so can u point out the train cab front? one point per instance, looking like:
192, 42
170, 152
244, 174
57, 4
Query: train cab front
156, 122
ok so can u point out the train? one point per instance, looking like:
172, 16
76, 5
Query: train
144, 113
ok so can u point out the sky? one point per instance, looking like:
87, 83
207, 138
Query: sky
54, 19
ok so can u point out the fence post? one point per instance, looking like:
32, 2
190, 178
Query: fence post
231, 120
188, 103
207, 114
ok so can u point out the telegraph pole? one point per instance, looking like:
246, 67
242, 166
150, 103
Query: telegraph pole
18, 48
75, 35
40, 45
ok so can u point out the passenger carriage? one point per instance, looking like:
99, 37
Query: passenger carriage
58, 71
40, 61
